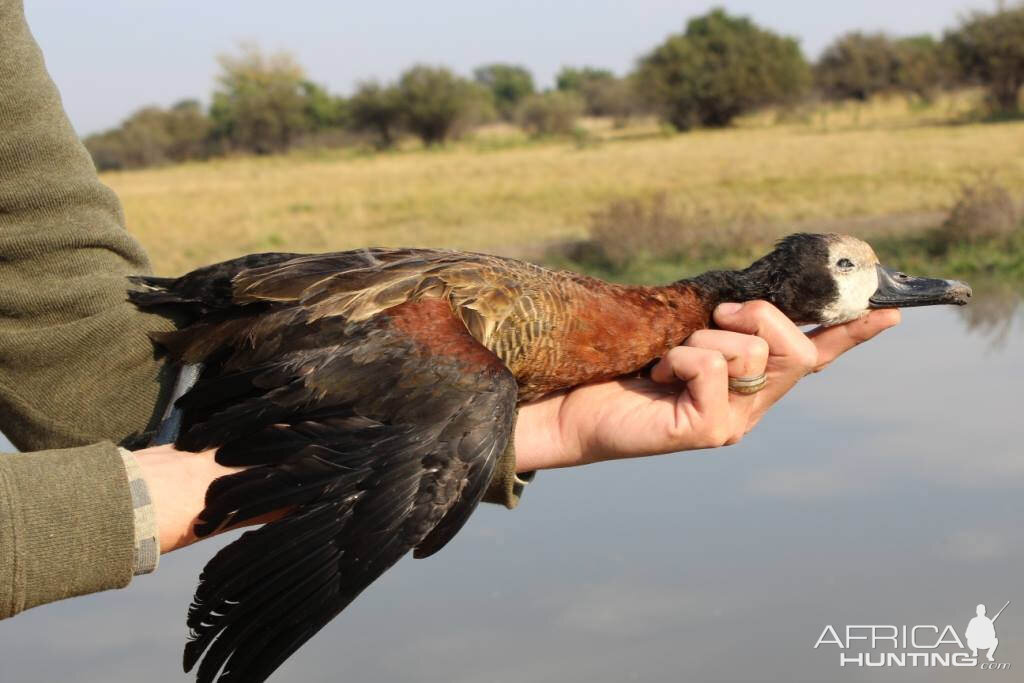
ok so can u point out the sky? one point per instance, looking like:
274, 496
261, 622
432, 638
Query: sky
110, 57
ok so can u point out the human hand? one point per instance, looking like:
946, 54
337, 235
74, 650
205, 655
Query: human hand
177, 483
685, 404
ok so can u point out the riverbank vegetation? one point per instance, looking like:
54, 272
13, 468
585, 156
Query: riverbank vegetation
914, 143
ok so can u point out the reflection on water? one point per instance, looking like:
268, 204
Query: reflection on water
994, 311
884, 491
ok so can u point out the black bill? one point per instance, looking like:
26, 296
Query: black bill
899, 290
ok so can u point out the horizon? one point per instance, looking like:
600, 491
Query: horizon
342, 47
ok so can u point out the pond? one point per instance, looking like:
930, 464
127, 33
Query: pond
886, 490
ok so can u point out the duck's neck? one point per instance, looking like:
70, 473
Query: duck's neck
620, 329
719, 286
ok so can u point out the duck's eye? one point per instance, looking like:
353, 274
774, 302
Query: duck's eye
844, 263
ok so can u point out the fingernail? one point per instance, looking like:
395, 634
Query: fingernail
729, 308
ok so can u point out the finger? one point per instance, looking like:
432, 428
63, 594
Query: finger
745, 354
785, 340
833, 342
705, 372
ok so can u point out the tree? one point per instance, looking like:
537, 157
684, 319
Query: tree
603, 93
990, 50
924, 66
575, 78
857, 65
435, 102
720, 67
508, 84
377, 109
323, 110
260, 101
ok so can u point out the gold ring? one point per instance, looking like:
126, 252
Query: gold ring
747, 385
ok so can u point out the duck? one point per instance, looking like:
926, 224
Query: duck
370, 393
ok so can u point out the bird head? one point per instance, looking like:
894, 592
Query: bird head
828, 279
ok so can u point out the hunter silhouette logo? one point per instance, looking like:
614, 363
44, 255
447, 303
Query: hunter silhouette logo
981, 633
883, 645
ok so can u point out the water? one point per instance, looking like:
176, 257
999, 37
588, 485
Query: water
884, 491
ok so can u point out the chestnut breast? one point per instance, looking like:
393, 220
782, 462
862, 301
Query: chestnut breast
576, 330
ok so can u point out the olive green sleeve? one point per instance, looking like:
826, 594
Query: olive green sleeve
76, 366
63, 535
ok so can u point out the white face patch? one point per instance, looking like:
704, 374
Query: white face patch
852, 264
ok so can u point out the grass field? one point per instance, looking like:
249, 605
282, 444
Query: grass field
839, 167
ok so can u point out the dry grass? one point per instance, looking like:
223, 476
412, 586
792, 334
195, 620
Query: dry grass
501, 194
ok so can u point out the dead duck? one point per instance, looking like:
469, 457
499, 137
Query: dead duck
372, 391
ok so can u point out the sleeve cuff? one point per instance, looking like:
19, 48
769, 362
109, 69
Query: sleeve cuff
506, 487
146, 551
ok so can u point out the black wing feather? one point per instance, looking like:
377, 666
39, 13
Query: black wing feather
377, 437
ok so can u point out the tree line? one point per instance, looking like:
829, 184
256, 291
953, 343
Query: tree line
719, 67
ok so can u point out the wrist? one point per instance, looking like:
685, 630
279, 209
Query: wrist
177, 483
540, 438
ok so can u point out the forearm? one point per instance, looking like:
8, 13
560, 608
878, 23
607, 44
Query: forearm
66, 525
540, 439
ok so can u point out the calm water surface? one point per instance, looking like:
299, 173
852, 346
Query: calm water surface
884, 491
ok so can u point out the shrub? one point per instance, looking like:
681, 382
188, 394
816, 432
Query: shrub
984, 212
508, 85
720, 67
576, 78
858, 65
638, 231
378, 110
550, 113
924, 66
323, 110
630, 230
435, 102
603, 93
153, 136
990, 50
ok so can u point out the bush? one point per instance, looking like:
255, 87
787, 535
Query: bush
550, 113
603, 93
858, 65
437, 104
984, 212
719, 68
924, 66
638, 231
153, 136
377, 110
323, 110
631, 230
990, 50
508, 84
575, 79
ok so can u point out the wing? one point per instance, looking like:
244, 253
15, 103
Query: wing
379, 436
